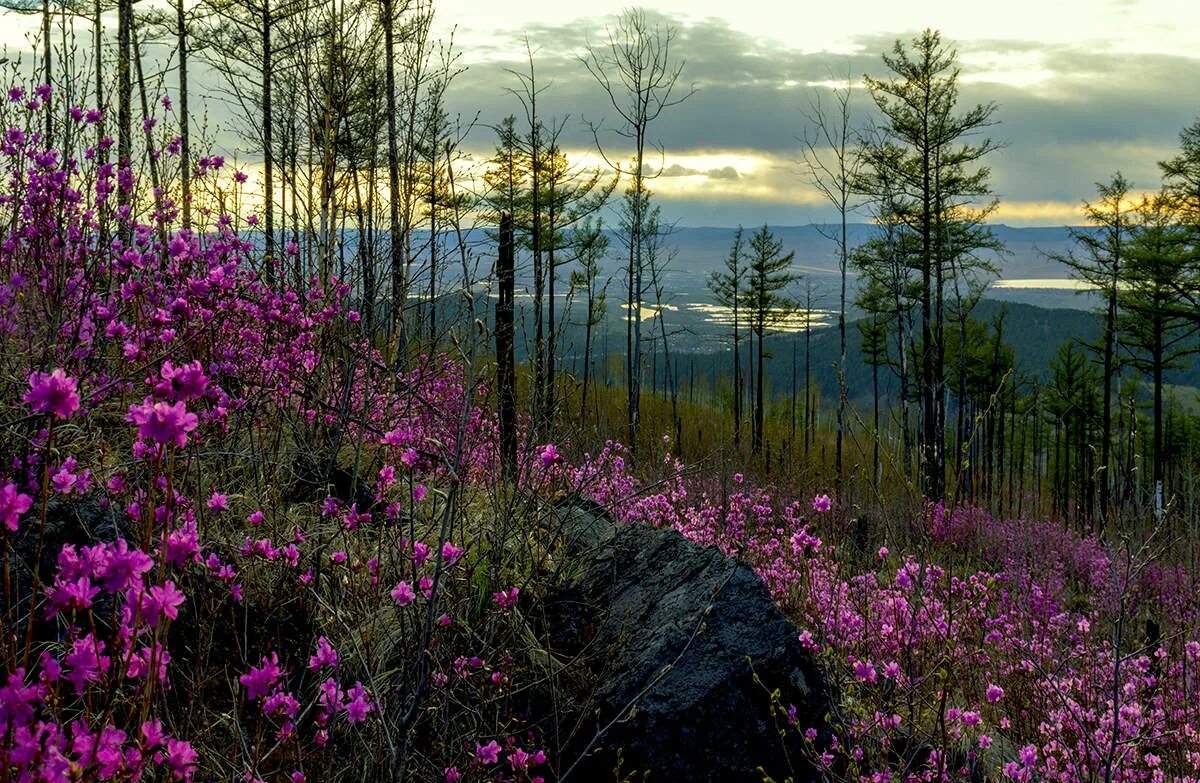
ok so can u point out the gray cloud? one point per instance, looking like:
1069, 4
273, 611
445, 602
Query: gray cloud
1097, 112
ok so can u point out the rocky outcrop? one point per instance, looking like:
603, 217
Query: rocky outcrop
35, 547
675, 633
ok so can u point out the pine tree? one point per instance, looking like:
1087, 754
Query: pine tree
1153, 323
944, 198
768, 273
1098, 265
727, 287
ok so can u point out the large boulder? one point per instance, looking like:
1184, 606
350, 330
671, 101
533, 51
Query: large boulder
79, 522
675, 632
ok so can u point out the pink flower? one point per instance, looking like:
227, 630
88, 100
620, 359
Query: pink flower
153, 733
403, 594
518, 759
162, 422
218, 502
181, 759
489, 753
260, 680
85, 661
12, 505
53, 393
549, 455
822, 503
420, 552
994, 693
125, 567
358, 704
165, 600
507, 599
865, 672
451, 774
64, 481
326, 656
450, 553
186, 382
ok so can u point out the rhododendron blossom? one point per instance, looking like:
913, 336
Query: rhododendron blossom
54, 393
162, 422
13, 504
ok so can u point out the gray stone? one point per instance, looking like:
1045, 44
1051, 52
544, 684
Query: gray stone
675, 631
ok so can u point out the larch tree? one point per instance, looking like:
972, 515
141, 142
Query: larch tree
940, 174
570, 196
768, 274
1154, 326
833, 159
1096, 262
728, 288
638, 72
591, 243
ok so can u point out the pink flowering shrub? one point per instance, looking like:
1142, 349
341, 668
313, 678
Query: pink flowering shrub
1003, 649
212, 621
207, 624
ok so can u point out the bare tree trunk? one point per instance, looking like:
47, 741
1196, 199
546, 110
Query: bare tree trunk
551, 330
124, 98
505, 372
395, 248
185, 149
155, 180
587, 349
102, 149
268, 143
47, 72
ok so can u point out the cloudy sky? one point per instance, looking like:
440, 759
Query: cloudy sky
1084, 89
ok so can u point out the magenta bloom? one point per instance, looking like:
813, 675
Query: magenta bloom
403, 594
326, 655
358, 704
162, 422
451, 553
186, 382
53, 393
260, 680
507, 599
822, 503
181, 759
994, 693
12, 505
164, 601
218, 502
549, 455
865, 672
489, 753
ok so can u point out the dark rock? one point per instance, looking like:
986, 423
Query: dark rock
77, 521
313, 480
676, 632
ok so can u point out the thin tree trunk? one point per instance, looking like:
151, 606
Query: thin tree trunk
268, 144
48, 73
505, 371
124, 100
185, 148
